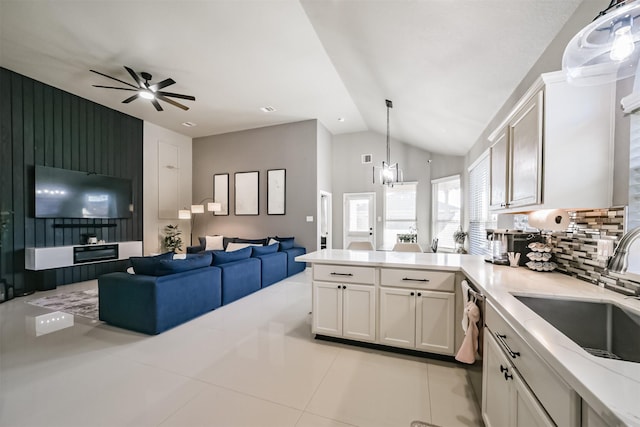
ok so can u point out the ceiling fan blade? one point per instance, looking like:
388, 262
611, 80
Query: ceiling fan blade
113, 78
136, 78
156, 104
172, 102
113, 87
162, 84
177, 95
131, 98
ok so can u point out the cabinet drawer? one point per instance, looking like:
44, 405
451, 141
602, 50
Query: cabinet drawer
417, 279
560, 401
344, 273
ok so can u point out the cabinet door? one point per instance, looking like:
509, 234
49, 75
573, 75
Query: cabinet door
528, 411
359, 312
327, 309
498, 179
435, 321
397, 317
525, 166
497, 386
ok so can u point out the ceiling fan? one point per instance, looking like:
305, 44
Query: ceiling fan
146, 90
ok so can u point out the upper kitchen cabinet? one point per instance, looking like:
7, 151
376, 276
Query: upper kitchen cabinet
555, 148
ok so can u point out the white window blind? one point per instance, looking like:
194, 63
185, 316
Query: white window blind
446, 200
399, 211
479, 216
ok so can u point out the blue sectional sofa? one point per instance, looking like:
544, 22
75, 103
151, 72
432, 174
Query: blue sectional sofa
154, 302
165, 292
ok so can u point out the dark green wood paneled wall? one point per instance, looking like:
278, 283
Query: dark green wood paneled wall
42, 125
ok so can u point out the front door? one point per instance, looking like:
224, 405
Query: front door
359, 218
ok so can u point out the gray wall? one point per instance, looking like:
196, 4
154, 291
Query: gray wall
551, 60
324, 143
289, 146
351, 176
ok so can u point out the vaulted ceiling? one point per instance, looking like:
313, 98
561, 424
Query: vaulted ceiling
448, 66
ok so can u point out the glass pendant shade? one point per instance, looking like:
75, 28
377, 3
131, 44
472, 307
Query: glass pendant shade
390, 173
605, 50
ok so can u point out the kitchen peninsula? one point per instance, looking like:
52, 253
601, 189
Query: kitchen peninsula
599, 391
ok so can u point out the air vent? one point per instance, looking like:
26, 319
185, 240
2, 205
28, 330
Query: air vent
268, 109
189, 124
366, 158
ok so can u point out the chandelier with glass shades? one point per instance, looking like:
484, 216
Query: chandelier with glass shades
390, 173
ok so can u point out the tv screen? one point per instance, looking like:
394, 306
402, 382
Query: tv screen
63, 193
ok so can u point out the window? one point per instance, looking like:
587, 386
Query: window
399, 211
479, 216
446, 201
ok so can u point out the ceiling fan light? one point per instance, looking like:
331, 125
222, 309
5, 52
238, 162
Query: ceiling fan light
623, 45
146, 94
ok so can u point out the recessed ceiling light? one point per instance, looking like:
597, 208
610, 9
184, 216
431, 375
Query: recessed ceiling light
341, 119
189, 124
267, 109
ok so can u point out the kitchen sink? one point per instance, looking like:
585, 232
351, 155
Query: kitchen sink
602, 329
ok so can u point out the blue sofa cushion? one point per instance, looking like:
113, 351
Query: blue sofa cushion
293, 266
273, 267
264, 250
172, 266
147, 264
222, 257
252, 241
240, 278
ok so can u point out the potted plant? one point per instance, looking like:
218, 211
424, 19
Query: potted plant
172, 240
459, 237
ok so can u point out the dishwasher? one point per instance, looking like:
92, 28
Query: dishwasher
474, 371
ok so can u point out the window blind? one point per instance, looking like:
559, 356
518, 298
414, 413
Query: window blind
479, 216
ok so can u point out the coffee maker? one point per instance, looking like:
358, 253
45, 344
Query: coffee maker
502, 241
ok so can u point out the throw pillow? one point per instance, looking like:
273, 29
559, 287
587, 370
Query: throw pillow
214, 243
285, 242
233, 246
272, 241
172, 266
222, 257
253, 241
263, 250
146, 264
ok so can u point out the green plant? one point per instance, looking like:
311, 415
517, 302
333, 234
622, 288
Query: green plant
172, 240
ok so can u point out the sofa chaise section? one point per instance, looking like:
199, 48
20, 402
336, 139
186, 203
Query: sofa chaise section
153, 304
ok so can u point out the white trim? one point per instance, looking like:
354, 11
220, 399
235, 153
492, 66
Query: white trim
480, 158
445, 179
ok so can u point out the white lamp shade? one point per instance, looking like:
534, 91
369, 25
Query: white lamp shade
197, 209
214, 207
184, 214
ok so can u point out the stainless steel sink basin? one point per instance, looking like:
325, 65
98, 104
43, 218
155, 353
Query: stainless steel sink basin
602, 329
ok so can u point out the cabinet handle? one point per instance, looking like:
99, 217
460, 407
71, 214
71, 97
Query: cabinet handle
414, 280
412, 293
503, 369
507, 376
342, 274
344, 286
502, 338
419, 294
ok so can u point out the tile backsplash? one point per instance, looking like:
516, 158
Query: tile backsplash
576, 249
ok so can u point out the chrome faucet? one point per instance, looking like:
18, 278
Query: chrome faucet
619, 262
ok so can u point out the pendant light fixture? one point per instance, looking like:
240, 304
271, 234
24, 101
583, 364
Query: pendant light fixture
605, 50
390, 173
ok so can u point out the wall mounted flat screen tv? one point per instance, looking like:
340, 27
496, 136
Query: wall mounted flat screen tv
63, 193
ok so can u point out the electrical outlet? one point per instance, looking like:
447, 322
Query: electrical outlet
310, 219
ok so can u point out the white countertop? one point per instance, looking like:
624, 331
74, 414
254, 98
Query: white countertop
610, 387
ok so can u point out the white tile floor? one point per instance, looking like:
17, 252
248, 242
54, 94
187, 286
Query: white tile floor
251, 363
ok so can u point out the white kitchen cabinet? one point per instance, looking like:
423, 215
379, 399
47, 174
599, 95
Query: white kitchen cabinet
507, 401
525, 154
417, 319
499, 162
344, 310
558, 140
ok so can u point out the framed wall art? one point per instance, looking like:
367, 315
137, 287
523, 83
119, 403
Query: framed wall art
246, 193
276, 191
221, 192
